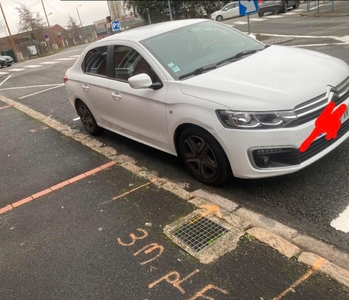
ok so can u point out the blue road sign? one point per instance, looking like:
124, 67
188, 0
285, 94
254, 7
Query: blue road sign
115, 25
248, 7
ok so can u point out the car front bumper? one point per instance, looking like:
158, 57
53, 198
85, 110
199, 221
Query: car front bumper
239, 144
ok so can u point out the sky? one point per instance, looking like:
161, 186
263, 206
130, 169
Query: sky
89, 11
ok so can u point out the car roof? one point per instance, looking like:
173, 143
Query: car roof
144, 32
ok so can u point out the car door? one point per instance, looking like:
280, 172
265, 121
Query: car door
93, 86
137, 113
231, 10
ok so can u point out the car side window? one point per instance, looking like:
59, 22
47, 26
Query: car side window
128, 62
95, 62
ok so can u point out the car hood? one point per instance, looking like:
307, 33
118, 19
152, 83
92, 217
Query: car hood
278, 77
5, 57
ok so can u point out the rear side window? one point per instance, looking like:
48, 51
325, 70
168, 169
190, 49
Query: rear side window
95, 62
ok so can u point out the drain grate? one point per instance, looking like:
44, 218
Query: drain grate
199, 233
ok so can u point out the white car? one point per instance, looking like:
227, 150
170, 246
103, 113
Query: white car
231, 10
219, 99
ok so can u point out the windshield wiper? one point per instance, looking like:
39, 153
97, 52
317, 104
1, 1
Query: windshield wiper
199, 71
238, 55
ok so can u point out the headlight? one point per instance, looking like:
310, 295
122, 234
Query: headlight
255, 120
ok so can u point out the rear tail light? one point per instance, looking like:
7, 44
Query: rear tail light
65, 79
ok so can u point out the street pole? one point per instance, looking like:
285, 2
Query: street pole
9, 31
48, 23
79, 14
249, 25
169, 7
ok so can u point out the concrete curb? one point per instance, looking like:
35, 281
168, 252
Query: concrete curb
275, 234
325, 14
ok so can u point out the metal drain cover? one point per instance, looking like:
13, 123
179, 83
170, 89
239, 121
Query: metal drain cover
204, 237
199, 233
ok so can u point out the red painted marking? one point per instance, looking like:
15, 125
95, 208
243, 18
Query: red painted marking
55, 187
328, 122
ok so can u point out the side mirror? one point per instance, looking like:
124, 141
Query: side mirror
140, 81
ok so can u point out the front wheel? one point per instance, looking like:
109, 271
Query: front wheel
219, 18
296, 5
284, 9
203, 156
260, 14
87, 119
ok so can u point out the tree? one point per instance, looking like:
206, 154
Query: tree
28, 20
159, 10
73, 28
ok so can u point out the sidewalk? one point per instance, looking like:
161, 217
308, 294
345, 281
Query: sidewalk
75, 225
339, 9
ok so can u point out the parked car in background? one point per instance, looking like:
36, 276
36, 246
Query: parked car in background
5, 61
276, 6
231, 10
223, 102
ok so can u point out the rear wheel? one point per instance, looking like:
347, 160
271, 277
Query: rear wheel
219, 18
284, 9
88, 119
203, 156
260, 14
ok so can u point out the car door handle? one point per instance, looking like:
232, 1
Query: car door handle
116, 96
85, 87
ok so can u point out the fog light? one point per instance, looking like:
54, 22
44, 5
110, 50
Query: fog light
275, 157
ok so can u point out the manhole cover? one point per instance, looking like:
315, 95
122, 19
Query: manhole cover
199, 233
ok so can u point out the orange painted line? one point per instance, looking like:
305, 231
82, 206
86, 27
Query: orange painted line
5, 209
21, 202
76, 178
3, 107
55, 187
59, 185
135, 189
107, 165
315, 267
93, 171
42, 193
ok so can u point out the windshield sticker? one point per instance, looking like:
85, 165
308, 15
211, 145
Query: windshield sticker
175, 69
171, 65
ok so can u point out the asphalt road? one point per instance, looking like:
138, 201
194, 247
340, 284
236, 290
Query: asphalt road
308, 200
95, 231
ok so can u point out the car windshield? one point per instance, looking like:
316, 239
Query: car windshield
184, 50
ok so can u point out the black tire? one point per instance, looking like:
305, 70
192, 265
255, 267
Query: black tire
203, 156
87, 119
219, 18
1, 65
296, 5
260, 14
284, 9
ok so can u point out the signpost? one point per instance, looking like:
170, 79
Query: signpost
115, 25
46, 37
246, 8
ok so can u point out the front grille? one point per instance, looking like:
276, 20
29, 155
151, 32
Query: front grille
311, 109
321, 143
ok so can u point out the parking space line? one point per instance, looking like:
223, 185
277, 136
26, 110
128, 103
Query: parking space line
135, 189
32, 94
314, 268
55, 187
7, 106
7, 78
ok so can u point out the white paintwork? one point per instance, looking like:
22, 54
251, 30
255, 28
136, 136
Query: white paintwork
15, 70
33, 66
257, 20
7, 78
342, 222
49, 62
230, 10
264, 81
66, 58
240, 23
273, 17
76, 56
39, 92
